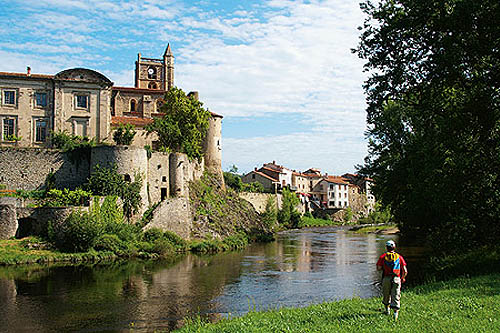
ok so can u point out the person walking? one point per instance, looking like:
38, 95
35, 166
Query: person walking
393, 267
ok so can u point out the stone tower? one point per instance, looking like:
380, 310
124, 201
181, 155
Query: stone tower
153, 73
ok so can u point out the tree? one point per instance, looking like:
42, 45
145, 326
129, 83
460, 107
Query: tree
184, 125
288, 215
107, 181
434, 116
124, 134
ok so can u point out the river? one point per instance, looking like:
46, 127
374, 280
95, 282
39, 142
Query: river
301, 267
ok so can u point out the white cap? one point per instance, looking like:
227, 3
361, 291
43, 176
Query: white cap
390, 243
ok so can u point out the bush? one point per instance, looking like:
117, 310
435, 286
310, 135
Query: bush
58, 198
254, 187
110, 242
78, 233
124, 134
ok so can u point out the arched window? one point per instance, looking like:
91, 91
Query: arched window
152, 85
152, 73
133, 105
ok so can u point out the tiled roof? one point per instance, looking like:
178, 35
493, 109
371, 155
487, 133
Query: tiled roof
136, 121
336, 180
266, 176
140, 90
25, 75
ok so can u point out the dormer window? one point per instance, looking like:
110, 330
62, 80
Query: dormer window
152, 73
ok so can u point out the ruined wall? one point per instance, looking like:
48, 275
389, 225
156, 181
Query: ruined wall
129, 161
27, 168
259, 200
8, 218
174, 215
158, 176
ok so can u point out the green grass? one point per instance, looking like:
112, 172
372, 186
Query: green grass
316, 222
32, 250
373, 229
459, 305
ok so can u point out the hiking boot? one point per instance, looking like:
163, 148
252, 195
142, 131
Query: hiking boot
396, 313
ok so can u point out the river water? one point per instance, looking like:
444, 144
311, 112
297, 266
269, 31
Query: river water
301, 267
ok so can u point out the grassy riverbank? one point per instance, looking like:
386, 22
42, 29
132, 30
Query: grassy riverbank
462, 304
376, 229
306, 222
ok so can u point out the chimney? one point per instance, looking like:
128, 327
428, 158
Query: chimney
28, 70
255, 169
274, 162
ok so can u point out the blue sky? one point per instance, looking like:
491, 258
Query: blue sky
280, 72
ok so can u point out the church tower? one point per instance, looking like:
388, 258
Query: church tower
157, 74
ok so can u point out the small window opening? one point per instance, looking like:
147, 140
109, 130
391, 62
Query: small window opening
133, 106
164, 179
163, 193
127, 178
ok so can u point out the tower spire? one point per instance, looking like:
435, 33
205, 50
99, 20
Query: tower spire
168, 61
168, 51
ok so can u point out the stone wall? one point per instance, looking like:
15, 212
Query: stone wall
8, 218
27, 168
173, 215
259, 200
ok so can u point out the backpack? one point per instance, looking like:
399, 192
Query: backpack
392, 262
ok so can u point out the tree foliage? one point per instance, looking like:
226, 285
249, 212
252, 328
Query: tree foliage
184, 125
107, 181
288, 215
434, 116
124, 134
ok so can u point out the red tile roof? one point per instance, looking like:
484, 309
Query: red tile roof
336, 180
25, 75
140, 90
136, 121
266, 176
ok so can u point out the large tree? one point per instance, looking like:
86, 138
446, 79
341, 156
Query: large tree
434, 116
184, 125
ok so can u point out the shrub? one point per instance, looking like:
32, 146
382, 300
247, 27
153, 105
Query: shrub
124, 134
57, 198
254, 187
110, 242
78, 233
152, 235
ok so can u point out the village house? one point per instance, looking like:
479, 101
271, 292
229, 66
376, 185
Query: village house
332, 191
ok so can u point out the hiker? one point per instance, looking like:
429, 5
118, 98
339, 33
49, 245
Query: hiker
394, 271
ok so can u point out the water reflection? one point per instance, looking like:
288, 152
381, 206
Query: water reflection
299, 268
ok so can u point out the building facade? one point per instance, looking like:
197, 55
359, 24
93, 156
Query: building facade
84, 102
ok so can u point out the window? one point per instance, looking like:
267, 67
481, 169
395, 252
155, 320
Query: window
340, 203
9, 97
41, 99
253, 175
8, 129
132, 105
82, 101
41, 126
152, 85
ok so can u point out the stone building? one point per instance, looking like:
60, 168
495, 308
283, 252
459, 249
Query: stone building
84, 102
